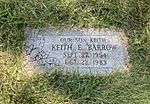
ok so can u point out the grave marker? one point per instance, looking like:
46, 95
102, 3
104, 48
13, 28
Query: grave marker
76, 49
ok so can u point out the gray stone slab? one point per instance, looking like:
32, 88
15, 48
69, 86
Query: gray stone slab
82, 50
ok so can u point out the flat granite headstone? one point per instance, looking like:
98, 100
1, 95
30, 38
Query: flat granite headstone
82, 50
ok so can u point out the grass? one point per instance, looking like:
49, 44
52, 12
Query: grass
71, 88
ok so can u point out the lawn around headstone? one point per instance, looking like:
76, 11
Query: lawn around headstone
19, 86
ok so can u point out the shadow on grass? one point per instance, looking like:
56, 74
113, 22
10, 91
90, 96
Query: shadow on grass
116, 88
